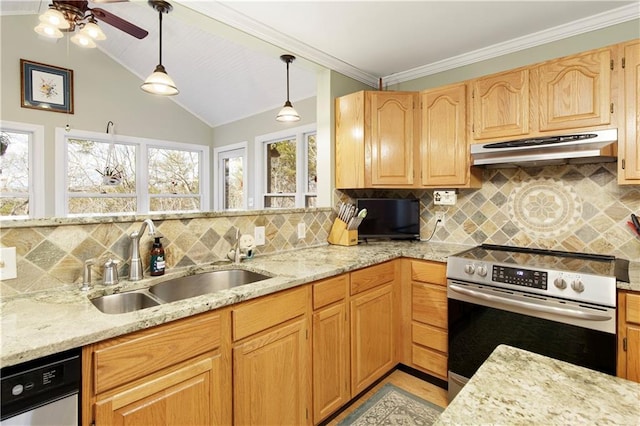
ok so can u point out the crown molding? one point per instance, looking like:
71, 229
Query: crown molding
233, 18
581, 26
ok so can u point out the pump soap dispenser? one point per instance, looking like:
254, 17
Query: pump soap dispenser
157, 258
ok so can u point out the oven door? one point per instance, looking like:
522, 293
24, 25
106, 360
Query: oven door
482, 317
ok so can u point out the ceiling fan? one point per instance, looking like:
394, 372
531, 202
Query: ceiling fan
68, 15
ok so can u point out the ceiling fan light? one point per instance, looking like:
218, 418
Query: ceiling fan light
47, 30
288, 113
56, 18
83, 40
159, 83
91, 29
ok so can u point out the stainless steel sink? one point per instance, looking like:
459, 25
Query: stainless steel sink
122, 303
209, 282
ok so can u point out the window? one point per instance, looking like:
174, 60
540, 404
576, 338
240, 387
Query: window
288, 171
115, 174
21, 171
231, 174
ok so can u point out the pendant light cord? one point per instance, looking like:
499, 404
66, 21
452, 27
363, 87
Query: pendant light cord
160, 49
287, 81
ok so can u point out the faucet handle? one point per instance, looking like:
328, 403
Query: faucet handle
86, 275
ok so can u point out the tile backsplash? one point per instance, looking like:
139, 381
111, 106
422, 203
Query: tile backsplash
572, 208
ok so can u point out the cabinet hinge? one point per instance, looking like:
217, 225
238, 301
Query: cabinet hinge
624, 62
306, 334
306, 413
623, 164
611, 108
611, 64
624, 344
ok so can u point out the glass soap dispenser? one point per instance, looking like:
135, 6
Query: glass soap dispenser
157, 264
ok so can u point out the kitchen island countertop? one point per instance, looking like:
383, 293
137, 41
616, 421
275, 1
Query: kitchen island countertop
514, 386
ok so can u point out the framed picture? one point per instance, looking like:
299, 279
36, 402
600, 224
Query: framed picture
46, 87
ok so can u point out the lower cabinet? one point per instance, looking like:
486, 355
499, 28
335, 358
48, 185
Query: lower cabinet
272, 360
629, 335
173, 374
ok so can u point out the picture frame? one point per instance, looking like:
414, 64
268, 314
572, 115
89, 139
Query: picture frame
46, 87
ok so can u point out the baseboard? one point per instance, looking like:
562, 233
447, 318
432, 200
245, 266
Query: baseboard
423, 376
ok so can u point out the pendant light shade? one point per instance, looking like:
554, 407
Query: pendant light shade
288, 113
159, 82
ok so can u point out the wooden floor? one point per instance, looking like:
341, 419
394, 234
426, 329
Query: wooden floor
416, 386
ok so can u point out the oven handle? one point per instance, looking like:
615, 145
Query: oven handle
572, 313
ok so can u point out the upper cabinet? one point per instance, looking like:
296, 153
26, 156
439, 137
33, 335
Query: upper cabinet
444, 151
376, 140
629, 137
574, 92
501, 105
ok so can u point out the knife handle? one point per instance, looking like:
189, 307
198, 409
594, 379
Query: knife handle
636, 223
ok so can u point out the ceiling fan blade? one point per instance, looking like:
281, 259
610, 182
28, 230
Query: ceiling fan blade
119, 23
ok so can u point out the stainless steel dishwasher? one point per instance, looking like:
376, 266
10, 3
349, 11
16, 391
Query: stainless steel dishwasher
42, 392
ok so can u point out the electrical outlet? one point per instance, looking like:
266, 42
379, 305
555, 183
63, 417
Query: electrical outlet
440, 216
444, 198
8, 263
258, 235
302, 231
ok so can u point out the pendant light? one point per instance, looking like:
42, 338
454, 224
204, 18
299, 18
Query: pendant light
159, 82
287, 113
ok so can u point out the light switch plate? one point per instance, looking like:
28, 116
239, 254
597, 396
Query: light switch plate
302, 231
258, 235
444, 198
8, 263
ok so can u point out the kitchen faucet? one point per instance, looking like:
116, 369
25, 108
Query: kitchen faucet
135, 266
242, 248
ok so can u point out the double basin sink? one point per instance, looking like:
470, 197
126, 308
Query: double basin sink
176, 289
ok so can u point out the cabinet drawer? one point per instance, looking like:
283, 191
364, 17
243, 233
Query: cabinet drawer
633, 308
329, 291
429, 360
371, 277
266, 312
429, 304
124, 359
431, 337
429, 272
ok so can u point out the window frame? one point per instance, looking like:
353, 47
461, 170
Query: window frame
219, 153
260, 179
142, 194
36, 167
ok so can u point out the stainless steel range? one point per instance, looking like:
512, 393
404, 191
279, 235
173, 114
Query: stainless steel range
558, 304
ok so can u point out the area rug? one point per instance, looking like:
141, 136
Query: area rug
393, 406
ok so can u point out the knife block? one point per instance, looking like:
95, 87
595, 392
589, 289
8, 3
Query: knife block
341, 236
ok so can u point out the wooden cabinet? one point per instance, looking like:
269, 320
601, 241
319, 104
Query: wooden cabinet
574, 92
331, 372
376, 145
372, 325
444, 151
173, 374
272, 360
629, 335
501, 105
629, 134
429, 317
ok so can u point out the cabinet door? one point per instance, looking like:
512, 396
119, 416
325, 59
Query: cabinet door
392, 138
629, 336
629, 167
443, 144
271, 377
501, 105
372, 337
350, 146
183, 396
575, 92
330, 360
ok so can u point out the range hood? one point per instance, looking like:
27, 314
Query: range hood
575, 148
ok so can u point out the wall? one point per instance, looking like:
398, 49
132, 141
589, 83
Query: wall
103, 91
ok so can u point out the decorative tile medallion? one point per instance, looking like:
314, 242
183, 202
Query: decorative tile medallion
544, 207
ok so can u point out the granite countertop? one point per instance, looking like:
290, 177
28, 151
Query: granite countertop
47, 322
38, 324
518, 387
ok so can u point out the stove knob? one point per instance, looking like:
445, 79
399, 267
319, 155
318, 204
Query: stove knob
469, 268
482, 271
560, 283
577, 286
